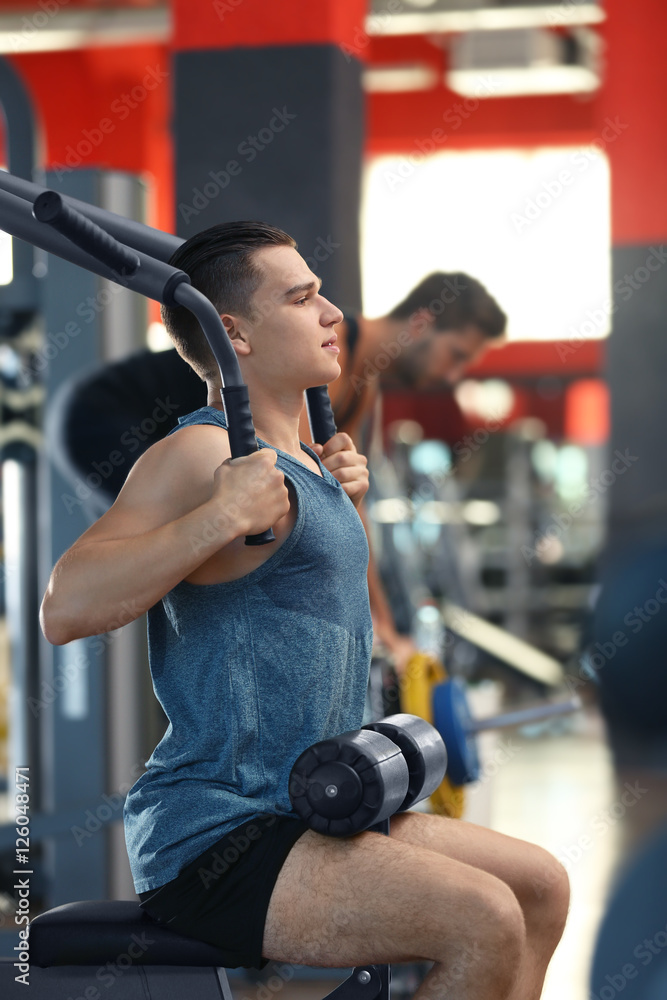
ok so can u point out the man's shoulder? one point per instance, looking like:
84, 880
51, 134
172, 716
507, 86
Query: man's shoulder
171, 478
179, 468
209, 417
193, 445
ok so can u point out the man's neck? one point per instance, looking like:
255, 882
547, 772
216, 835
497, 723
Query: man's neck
276, 420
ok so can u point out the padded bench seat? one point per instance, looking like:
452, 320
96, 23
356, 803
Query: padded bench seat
98, 931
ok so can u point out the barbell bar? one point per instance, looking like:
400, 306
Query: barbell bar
458, 727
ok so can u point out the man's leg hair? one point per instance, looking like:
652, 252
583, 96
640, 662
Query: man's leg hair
537, 879
377, 899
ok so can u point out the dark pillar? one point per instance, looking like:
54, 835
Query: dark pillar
631, 622
268, 124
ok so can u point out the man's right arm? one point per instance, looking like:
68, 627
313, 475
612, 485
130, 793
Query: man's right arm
182, 502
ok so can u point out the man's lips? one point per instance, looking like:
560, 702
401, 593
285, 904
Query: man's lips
330, 344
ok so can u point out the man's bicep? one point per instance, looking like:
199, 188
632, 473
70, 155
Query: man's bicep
169, 480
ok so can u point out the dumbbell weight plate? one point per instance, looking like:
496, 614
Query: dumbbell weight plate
424, 752
348, 783
452, 719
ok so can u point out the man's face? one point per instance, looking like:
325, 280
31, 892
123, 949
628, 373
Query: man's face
435, 358
283, 341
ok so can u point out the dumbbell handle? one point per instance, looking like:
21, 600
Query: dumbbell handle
525, 715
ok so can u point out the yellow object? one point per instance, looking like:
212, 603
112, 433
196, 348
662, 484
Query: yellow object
422, 673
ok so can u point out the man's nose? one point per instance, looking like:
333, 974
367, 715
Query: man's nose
331, 313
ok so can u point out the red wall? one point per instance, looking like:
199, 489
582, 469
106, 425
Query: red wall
107, 107
110, 107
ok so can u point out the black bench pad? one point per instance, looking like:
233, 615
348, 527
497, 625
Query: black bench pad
100, 931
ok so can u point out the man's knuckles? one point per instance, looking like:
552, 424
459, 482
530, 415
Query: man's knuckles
340, 442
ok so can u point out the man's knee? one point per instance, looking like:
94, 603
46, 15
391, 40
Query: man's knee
546, 899
508, 932
500, 938
559, 900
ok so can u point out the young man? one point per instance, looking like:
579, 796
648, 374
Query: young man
428, 341
256, 653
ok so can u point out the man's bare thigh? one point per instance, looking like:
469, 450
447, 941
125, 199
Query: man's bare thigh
518, 863
341, 902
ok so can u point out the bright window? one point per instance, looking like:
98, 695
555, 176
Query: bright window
533, 227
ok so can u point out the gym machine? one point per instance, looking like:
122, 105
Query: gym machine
135, 256
340, 787
52, 222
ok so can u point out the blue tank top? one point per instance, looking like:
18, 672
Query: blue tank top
249, 674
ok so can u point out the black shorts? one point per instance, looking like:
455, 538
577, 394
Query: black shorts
222, 897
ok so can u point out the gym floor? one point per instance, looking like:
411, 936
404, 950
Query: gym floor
558, 790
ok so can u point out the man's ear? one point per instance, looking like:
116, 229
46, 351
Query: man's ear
237, 333
420, 323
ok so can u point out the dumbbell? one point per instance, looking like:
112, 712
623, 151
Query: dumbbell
457, 727
359, 779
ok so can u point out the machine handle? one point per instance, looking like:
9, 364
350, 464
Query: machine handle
144, 239
49, 207
320, 414
242, 440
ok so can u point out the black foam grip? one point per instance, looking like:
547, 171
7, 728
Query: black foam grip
242, 440
49, 207
322, 423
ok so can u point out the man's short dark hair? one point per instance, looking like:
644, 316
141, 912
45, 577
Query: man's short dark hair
456, 300
221, 263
